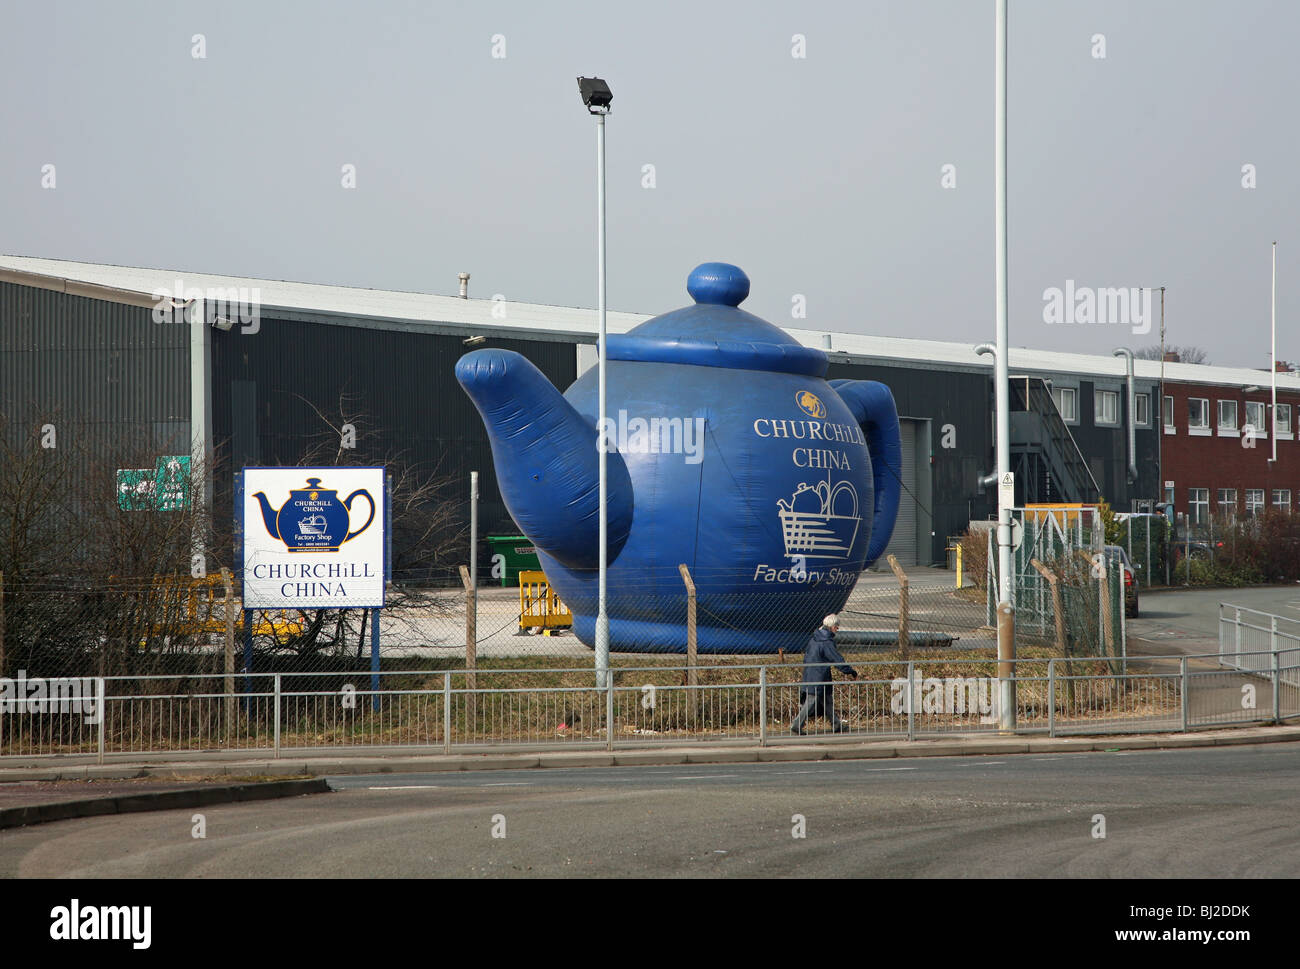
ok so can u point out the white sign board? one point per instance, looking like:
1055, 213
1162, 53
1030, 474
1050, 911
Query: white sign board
313, 538
1007, 490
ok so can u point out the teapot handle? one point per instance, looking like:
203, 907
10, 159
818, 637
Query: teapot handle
872, 405
348, 504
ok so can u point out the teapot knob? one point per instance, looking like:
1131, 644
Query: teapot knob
719, 283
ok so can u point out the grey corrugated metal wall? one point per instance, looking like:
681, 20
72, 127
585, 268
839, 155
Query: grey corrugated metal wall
103, 371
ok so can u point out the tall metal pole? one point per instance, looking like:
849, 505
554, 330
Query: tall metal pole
1273, 353
1162, 357
602, 617
1006, 611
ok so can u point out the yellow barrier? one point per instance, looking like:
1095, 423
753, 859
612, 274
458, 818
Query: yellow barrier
539, 606
200, 607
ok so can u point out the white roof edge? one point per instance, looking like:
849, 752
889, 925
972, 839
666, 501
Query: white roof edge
138, 287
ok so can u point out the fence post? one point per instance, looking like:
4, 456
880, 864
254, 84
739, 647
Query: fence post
1051, 698
1146, 567
446, 713
692, 676
1186, 681
1236, 658
911, 713
609, 711
1121, 610
762, 705
277, 714
471, 647
1052, 580
1272, 634
227, 582
1277, 695
1106, 605
103, 714
904, 640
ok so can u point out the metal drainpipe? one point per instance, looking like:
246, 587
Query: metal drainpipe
987, 348
1127, 354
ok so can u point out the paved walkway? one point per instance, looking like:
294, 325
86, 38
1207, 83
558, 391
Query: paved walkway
243, 764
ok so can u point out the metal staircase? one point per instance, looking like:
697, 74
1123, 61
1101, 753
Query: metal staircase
1043, 453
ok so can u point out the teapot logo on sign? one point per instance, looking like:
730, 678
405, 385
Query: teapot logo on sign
314, 519
820, 519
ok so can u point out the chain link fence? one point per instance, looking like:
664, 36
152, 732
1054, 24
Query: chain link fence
175, 663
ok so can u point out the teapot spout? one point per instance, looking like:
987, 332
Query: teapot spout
269, 514
546, 458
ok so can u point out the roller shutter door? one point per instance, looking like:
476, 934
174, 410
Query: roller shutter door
903, 544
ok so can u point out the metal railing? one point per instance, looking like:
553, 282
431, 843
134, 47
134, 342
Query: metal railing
1253, 640
467, 710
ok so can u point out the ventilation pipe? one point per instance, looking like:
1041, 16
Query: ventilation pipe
987, 348
464, 285
1127, 354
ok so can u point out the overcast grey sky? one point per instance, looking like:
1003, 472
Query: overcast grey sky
819, 175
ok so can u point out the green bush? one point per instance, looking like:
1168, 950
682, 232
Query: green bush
1218, 573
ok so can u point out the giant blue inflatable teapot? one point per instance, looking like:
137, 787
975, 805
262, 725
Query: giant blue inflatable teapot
727, 451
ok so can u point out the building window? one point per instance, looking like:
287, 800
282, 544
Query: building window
1142, 409
1284, 418
1255, 418
1228, 415
1282, 498
1065, 403
1254, 501
1198, 505
1227, 502
1105, 409
1169, 413
1198, 413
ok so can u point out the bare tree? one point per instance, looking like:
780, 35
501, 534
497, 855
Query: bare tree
94, 582
1183, 353
429, 539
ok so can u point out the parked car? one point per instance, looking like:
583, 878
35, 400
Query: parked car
1116, 554
1200, 551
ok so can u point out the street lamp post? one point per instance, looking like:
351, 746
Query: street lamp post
1006, 609
597, 96
1273, 354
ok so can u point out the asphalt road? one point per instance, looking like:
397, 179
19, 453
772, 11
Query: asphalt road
1227, 812
1187, 620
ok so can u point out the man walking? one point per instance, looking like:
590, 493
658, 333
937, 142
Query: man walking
818, 657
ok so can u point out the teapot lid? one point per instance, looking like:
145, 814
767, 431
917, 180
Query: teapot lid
715, 332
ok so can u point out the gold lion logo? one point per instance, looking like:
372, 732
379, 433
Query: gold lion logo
810, 404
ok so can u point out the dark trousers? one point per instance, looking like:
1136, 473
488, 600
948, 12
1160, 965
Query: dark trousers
817, 702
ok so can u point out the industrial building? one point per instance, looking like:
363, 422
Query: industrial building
262, 371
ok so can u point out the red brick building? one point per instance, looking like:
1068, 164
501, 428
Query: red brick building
1218, 438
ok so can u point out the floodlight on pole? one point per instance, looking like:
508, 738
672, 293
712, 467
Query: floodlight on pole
597, 96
